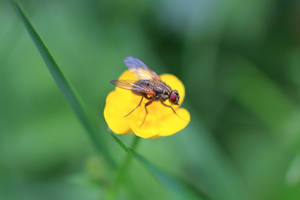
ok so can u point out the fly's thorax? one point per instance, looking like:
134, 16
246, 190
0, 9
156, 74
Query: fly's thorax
161, 96
162, 92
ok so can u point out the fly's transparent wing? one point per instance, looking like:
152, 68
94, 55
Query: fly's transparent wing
140, 69
130, 85
132, 62
124, 84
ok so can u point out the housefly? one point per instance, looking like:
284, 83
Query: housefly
149, 86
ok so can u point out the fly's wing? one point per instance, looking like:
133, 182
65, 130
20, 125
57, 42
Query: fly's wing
139, 69
131, 85
124, 84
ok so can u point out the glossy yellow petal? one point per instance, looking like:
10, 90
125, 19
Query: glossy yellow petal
160, 121
175, 123
118, 104
114, 113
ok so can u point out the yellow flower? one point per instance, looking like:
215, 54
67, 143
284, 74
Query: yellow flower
160, 121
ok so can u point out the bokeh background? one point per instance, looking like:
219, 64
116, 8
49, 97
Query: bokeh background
239, 61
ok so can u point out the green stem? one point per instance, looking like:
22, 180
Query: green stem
123, 170
126, 163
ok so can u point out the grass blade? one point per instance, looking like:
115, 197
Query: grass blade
64, 86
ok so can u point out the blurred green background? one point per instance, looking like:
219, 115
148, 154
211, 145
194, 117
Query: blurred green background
239, 61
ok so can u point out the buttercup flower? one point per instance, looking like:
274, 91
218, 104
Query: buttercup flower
160, 120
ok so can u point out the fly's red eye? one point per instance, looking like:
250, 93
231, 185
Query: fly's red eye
173, 97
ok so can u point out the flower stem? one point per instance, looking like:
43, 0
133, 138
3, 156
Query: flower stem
122, 171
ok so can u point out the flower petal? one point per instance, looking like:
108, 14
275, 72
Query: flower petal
114, 113
160, 121
175, 123
119, 103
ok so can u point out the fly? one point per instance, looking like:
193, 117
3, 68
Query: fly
149, 86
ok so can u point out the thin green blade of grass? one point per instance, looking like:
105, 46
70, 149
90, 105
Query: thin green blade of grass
64, 86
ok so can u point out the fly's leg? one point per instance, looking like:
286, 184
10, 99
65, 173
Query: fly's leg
147, 104
135, 107
168, 106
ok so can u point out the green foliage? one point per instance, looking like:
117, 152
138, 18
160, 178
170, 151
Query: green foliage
77, 107
239, 61
64, 85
